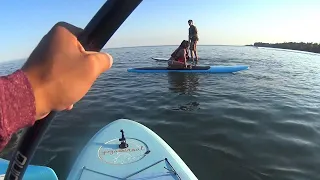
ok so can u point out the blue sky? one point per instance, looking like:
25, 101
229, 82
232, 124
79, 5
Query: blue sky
164, 22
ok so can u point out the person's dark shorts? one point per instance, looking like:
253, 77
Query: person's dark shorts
193, 45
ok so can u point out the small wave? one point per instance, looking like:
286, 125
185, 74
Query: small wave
227, 151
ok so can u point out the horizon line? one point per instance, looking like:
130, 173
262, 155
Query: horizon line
19, 59
168, 45
245, 45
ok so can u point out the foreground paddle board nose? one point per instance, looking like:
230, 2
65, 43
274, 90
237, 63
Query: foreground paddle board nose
136, 153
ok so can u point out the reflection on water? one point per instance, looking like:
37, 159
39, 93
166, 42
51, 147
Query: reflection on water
188, 107
183, 83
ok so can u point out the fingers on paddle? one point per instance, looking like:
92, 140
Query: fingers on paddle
101, 61
70, 107
71, 28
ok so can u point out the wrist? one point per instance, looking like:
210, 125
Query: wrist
41, 104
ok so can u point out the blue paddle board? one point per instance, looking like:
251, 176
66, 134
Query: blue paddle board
195, 69
125, 149
32, 173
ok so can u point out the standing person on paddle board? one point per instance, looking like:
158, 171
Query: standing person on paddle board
193, 39
57, 74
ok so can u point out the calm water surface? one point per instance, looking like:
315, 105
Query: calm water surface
263, 123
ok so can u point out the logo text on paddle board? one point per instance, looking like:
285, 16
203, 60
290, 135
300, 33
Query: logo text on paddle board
111, 152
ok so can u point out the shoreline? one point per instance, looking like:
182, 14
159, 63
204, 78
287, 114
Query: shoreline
301, 46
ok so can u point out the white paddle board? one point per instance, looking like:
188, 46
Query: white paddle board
125, 149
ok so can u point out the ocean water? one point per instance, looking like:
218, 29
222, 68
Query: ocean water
259, 124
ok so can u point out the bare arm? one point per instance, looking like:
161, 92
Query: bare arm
17, 105
185, 57
182, 53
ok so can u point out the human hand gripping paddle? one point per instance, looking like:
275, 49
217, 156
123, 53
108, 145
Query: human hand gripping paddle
68, 61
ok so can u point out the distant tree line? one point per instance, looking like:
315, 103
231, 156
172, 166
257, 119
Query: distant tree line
310, 47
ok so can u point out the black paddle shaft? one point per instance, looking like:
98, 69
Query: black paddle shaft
95, 35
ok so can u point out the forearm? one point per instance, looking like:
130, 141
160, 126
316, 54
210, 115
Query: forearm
17, 105
185, 57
